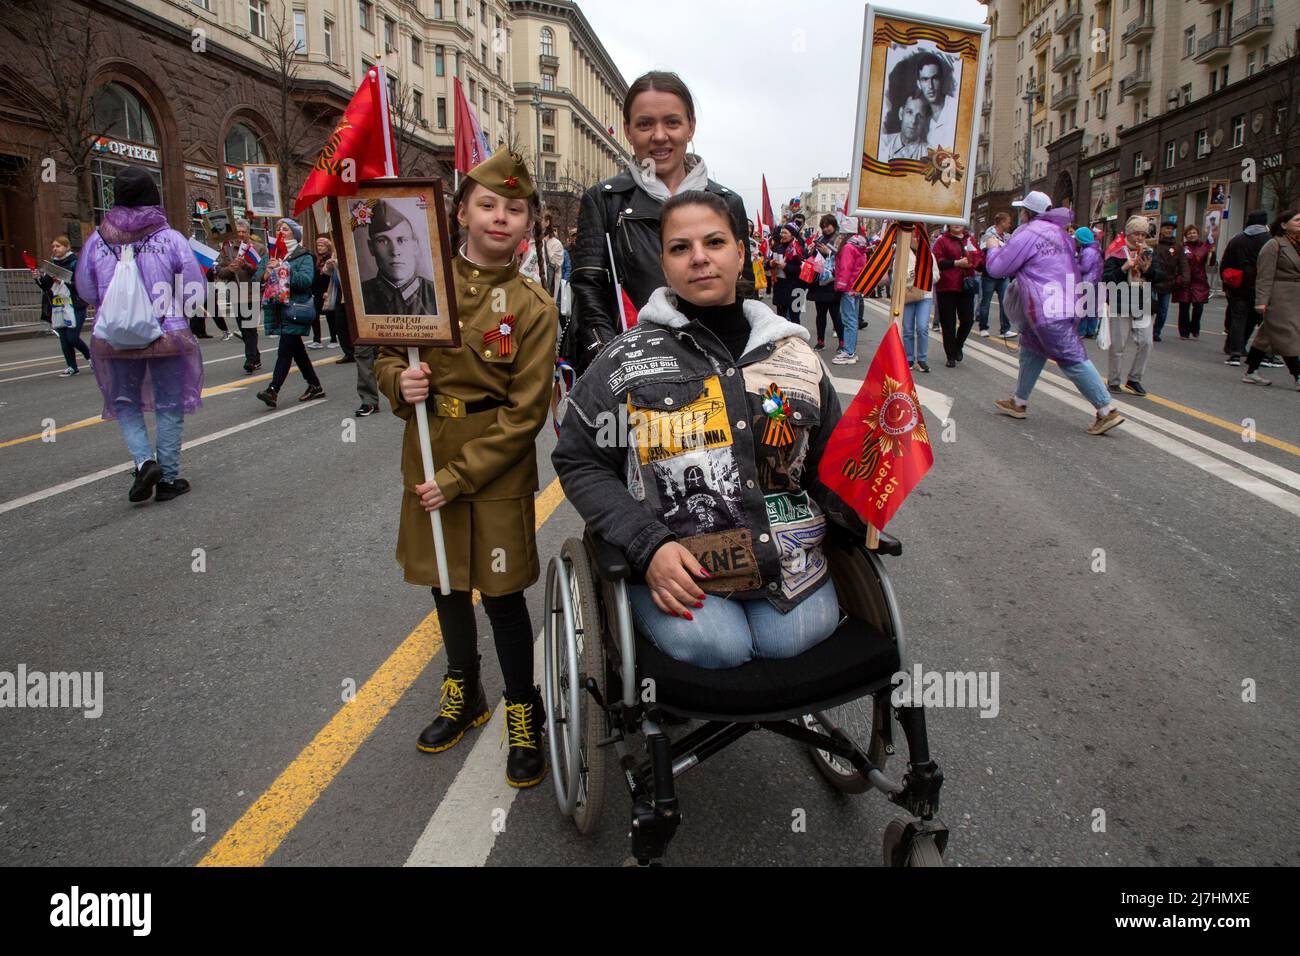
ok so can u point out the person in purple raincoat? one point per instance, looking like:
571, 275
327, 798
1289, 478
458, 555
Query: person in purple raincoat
166, 376
1041, 300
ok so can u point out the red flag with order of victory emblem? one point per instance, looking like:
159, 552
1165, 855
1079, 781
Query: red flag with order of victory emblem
880, 450
361, 146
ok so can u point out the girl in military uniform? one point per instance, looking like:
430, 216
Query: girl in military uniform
487, 401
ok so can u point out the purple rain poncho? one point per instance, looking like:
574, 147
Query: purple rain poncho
168, 373
1041, 301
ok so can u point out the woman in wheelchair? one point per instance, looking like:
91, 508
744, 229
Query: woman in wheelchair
692, 444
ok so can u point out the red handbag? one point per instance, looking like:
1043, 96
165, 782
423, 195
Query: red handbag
807, 271
1232, 278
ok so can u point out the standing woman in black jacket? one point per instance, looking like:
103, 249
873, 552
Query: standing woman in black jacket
659, 122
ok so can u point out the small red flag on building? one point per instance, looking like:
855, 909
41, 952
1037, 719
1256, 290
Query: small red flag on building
361, 147
880, 450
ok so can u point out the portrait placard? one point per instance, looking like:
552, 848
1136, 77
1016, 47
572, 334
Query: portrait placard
219, 224
1151, 199
394, 259
919, 97
262, 189
1218, 195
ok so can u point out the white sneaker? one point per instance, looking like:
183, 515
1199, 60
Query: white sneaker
984, 333
333, 345
68, 371
1254, 378
228, 336
843, 359
315, 345
1011, 334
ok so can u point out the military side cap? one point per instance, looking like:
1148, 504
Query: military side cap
384, 218
505, 174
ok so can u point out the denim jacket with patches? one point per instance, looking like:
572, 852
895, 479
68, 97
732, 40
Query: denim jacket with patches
665, 438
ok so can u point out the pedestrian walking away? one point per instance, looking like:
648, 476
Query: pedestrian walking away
1130, 268
288, 310
493, 395
61, 306
1277, 300
1237, 270
1040, 260
165, 373
1088, 302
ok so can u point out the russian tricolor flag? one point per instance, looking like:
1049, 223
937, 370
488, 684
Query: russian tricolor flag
206, 255
250, 255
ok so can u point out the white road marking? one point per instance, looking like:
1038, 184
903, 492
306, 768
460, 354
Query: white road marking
36, 496
87, 370
937, 402
461, 831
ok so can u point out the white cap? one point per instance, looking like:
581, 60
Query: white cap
1035, 202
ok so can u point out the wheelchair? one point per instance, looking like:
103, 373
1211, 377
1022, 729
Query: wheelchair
606, 686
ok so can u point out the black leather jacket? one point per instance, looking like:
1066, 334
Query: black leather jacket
630, 216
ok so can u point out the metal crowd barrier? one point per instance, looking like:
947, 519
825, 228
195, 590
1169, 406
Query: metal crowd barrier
20, 299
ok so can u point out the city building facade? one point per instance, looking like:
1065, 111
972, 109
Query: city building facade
1097, 102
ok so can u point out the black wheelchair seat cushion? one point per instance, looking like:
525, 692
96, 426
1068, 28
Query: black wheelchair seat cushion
855, 658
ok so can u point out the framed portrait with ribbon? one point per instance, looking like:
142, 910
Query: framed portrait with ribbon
920, 93
394, 263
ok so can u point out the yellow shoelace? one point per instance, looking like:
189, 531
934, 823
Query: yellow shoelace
517, 724
453, 699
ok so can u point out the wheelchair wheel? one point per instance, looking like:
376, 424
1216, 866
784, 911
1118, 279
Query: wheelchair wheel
856, 718
923, 852
573, 652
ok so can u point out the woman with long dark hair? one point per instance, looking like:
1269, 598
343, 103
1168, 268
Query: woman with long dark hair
624, 211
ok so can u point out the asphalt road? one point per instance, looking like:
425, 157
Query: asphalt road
224, 708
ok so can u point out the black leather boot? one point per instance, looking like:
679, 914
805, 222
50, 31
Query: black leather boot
463, 705
526, 762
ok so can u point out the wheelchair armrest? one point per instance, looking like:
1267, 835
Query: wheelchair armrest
848, 539
611, 563
889, 545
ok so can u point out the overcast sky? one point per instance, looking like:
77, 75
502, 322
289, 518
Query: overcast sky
775, 83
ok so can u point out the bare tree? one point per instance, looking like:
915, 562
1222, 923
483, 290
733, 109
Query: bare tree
295, 139
1276, 143
49, 69
414, 157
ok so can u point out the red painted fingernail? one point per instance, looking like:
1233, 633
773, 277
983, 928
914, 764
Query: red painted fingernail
705, 573
674, 614
699, 604
688, 615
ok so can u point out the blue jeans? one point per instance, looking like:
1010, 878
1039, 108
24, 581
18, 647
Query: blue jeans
989, 285
1089, 326
1085, 377
850, 310
728, 632
167, 424
916, 330
1162, 310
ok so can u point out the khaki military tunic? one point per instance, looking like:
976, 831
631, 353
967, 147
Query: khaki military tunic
485, 463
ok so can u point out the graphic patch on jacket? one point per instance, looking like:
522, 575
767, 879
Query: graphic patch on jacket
798, 529
699, 491
729, 558
701, 424
789, 370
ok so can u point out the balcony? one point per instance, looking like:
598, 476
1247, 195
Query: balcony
548, 62
1066, 95
983, 169
1140, 29
1038, 36
987, 108
1253, 26
1070, 18
1066, 59
984, 138
1136, 82
1214, 47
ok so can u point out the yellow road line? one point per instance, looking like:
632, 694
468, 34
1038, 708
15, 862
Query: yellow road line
265, 825
1209, 419
19, 366
206, 393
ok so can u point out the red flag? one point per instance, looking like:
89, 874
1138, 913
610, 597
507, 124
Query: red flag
361, 147
768, 220
281, 250
629, 310
29, 260
880, 450
470, 149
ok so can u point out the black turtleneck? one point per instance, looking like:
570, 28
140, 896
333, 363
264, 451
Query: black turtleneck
727, 322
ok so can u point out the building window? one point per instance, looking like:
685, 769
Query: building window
437, 9
329, 40
548, 119
486, 101
1223, 80
1238, 130
1171, 151
300, 32
241, 146
482, 11
257, 18
366, 15
501, 114
1250, 63
1189, 42
439, 61
442, 112
1214, 81
499, 73
416, 55
550, 172
392, 87
417, 105
389, 43
482, 53
1202, 143
548, 42
548, 144
548, 81
1137, 164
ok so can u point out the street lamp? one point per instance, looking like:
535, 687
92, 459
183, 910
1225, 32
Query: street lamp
537, 126
1032, 95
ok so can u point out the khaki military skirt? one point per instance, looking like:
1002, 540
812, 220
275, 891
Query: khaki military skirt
491, 545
